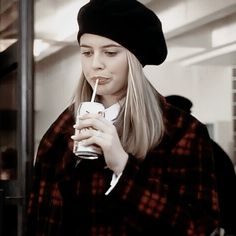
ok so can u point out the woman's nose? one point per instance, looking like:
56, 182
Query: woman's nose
97, 62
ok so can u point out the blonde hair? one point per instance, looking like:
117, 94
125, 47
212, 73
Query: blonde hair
140, 123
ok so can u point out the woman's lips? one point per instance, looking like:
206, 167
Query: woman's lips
102, 80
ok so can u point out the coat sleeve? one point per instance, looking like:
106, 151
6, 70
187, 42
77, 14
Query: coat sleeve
172, 190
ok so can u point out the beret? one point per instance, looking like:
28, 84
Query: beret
127, 22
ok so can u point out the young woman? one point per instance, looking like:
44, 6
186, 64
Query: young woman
156, 175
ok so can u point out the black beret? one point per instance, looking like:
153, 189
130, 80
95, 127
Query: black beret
127, 22
181, 102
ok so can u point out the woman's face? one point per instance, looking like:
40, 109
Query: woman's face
105, 60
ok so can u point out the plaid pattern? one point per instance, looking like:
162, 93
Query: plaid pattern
171, 192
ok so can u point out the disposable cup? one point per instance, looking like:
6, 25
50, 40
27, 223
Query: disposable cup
93, 151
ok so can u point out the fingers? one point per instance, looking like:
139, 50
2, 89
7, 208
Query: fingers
95, 129
94, 121
89, 133
90, 137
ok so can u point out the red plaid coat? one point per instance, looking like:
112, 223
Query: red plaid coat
171, 192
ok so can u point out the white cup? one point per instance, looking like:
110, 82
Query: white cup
93, 151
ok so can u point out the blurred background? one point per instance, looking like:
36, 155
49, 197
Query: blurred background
40, 65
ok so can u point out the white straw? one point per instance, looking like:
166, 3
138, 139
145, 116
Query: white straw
94, 91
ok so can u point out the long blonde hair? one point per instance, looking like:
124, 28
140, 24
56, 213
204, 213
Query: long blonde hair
140, 123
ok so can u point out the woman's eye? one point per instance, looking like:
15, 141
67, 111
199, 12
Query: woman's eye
86, 53
111, 53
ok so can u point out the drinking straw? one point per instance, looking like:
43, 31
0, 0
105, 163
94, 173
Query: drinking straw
94, 91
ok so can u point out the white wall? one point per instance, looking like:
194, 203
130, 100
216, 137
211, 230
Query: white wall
177, 14
55, 79
209, 88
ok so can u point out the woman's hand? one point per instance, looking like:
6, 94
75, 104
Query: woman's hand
103, 133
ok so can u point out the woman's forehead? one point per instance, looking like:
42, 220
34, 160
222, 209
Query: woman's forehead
93, 39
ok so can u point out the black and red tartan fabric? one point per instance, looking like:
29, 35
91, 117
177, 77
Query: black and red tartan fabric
171, 192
